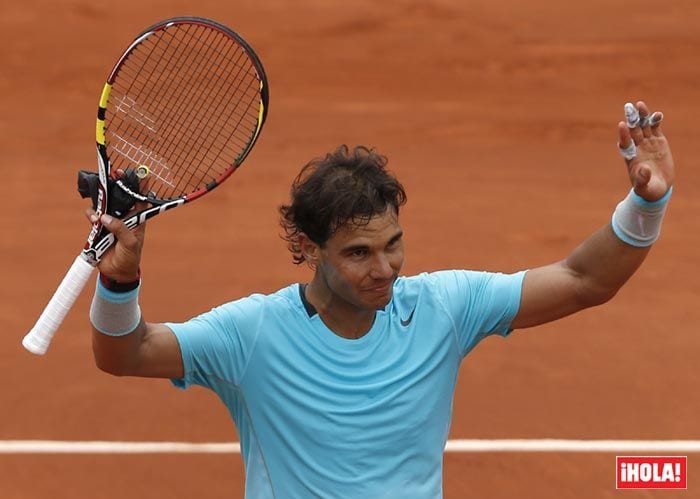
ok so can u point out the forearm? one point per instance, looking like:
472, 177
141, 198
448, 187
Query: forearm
609, 257
589, 276
118, 355
124, 344
117, 324
602, 264
598, 268
592, 273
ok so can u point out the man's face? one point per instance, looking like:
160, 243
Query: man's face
361, 263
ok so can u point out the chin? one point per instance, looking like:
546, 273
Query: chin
376, 299
381, 301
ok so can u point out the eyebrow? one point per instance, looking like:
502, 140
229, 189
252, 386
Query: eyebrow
396, 237
355, 247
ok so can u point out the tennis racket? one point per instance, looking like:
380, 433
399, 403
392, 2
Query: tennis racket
179, 113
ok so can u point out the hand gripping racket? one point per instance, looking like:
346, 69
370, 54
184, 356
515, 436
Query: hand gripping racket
179, 113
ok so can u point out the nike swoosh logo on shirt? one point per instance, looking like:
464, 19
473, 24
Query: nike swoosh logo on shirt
406, 322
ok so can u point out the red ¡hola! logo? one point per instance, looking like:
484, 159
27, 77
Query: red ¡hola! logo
652, 472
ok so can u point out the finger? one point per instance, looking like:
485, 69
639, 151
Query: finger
624, 137
140, 233
655, 121
121, 232
145, 185
136, 208
631, 115
644, 119
140, 230
91, 215
625, 143
632, 118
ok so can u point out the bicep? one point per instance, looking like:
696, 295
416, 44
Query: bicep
549, 293
151, 350
159, 355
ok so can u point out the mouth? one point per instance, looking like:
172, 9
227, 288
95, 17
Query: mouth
382, 288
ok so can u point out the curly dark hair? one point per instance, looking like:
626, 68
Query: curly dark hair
345, 187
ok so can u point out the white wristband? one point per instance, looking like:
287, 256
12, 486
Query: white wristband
637, 221
115, 314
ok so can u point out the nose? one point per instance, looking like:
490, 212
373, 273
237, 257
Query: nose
381, 268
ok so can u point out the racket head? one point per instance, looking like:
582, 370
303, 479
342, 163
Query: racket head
182, 107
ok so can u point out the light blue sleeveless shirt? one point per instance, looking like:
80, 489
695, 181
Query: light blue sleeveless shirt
322, 416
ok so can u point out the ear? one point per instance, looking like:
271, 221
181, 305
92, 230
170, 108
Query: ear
309, 250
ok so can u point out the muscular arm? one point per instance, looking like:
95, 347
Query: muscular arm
590, 276
149, 351
598, 268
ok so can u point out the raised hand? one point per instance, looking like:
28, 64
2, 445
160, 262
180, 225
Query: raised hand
646, 151
121, 263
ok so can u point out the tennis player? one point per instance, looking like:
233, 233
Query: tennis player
343, 387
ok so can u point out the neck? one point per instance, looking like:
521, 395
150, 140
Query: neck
340, 316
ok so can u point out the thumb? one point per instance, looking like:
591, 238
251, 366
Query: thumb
123, 262
642, 176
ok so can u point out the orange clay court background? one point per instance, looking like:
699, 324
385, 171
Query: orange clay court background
499, 117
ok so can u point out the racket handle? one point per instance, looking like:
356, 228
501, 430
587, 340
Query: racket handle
39, 338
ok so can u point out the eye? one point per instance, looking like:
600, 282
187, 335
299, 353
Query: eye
359, 253
394, 243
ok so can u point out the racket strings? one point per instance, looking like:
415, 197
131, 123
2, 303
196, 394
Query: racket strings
208, 153
147, 76
183, 133
134, 133
128, 140
185, 103
240, 105
181, 98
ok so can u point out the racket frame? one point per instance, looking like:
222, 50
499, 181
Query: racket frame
99, 239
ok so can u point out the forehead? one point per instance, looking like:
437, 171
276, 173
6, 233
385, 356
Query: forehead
379, 228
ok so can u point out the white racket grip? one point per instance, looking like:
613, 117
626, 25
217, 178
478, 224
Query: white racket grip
39, 338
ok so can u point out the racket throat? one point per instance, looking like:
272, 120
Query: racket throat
119, 200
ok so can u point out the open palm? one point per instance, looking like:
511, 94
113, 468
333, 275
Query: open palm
651, 171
